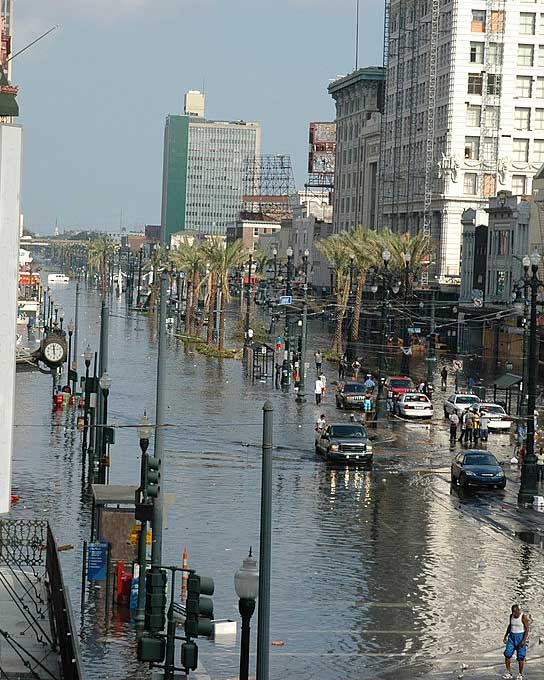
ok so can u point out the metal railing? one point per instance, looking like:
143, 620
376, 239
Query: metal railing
27, 547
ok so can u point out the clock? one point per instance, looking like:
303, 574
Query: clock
54, 351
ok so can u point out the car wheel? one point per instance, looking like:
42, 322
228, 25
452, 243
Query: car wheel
453, 480
463, 483
503, 485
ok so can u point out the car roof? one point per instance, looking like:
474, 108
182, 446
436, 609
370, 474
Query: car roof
344, 423
479, 451
397, 377
490, 403
466, 394
414, 394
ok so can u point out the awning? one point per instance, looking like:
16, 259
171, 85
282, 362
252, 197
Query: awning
114, 494
507, 381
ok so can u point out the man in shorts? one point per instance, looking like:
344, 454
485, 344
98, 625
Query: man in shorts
515, 640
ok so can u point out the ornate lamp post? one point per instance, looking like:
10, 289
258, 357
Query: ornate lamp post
105, 384
88, 357
387, 289
349, 347
61, 317
407, 348
248, 299
144, 432
529, 484
246, 584
275, 256
301, 395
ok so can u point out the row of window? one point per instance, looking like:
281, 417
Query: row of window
520, 149
479, 21
471, 185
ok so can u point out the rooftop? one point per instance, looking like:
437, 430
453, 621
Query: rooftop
369, 73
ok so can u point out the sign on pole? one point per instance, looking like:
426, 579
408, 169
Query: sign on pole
97, 560
286, 300
457, 364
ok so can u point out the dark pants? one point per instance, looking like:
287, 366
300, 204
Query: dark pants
318, 367
341, 372
540, 473
468, 435
453, 432
318, 399
484, 434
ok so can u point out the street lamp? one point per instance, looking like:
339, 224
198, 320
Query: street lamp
407, 349
88, 357
61, 317
349, 347
275, 256
380, 402
144, 432
286, 366
71, 327
246, 584
301, 395
529, 482
248, 299
105, 384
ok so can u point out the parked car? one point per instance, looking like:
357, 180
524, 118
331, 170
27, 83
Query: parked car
414, 405
345, 442
399, 384
475, 467
459, 403
499, 420
350, 395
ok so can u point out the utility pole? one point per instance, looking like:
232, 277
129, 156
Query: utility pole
248, 301
76, 333
160, 418
432, 344
100, 446
301, 395
139, 277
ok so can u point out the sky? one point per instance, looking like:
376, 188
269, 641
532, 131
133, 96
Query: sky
94, 94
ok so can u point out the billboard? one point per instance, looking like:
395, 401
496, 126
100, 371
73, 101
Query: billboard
322, 151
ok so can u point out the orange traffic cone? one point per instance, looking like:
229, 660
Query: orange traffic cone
185, 575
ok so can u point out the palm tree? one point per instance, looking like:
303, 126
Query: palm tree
159, 260
336, 250
417, 247
188, 258
363, 245
100, 251
212, 251
232, 256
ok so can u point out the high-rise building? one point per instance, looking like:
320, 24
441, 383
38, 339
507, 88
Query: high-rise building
358, 98
464, 112
6, 34
204, 172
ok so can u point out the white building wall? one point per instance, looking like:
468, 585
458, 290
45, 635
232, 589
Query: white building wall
10, 186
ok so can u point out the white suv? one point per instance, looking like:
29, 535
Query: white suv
458, 403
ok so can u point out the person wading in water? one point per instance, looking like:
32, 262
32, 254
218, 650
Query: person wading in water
515, 640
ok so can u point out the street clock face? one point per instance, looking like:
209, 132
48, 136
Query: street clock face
54, 352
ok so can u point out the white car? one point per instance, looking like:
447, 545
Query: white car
499, 420
414, 405
459, 403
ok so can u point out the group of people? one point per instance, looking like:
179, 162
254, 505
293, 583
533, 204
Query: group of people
471, 426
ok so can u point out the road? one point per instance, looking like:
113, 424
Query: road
376, 574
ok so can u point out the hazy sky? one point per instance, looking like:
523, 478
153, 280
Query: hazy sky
95, 93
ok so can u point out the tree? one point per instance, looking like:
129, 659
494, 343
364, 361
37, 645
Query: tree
418, 247
363, 245
232, 255
336, 249
188, 258
100, 251
212, 251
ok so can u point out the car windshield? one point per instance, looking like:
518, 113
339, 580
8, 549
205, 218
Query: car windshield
397, 382
416, 397
467, 399
354, 387
348, 432
492, 408
480, 459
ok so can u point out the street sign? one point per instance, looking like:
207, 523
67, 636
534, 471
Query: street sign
478, 302
414, 331
97, 560
457, 364
286, 300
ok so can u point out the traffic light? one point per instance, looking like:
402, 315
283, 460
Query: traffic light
151, 649
199, 607
155, 601
152, 477
189, 656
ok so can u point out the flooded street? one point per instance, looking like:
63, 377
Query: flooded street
375, 574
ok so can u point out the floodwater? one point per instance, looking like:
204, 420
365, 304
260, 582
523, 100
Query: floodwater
375, 574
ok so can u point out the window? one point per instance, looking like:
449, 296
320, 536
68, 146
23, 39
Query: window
493, 84
527, 23
540, 88
494, 53
502, 242
519, 185
492, 117
478, 21
470, 183
474, 114
497, 21
523, 86
501, 283
474, 83
538, 150
538, 119
520, 150
522, 118
540, 58
525, 55
472, 148
476, 53
488, 188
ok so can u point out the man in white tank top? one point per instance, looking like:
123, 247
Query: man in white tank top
515, 640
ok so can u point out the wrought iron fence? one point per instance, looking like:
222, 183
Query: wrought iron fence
30, 544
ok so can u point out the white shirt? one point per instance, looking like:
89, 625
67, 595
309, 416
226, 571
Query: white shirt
318, 386
323, 380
